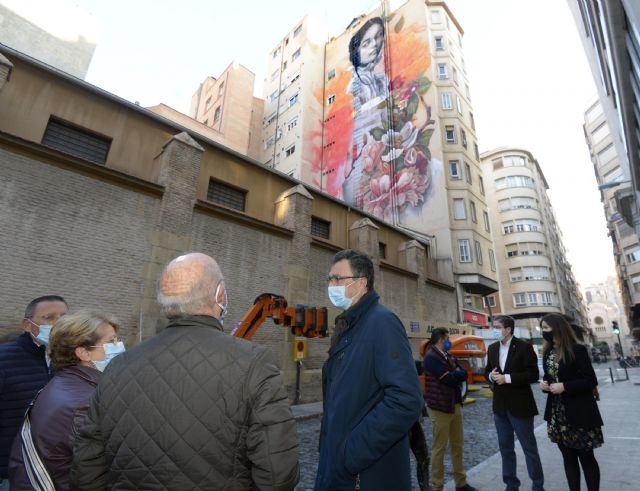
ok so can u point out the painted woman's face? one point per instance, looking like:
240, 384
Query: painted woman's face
371, 45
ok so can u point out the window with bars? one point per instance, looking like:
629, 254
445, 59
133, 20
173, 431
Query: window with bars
76, 141
320, 228
225, 195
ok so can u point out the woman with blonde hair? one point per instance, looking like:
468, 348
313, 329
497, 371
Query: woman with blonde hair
80, 346
573, 419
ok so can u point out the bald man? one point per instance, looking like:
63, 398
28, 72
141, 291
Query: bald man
192, 408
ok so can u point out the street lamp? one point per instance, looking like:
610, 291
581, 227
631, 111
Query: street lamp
612, 184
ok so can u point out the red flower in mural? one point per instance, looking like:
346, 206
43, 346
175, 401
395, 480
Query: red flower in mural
396, 83
371, 156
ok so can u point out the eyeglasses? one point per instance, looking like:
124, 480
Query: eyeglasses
113, 340
334, 278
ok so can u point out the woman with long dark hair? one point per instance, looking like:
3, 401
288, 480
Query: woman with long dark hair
573, 419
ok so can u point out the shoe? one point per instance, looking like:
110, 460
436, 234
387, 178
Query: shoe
466, 487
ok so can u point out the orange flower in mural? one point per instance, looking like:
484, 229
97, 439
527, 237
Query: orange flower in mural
409, 52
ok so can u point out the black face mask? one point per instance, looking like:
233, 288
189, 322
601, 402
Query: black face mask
548, 336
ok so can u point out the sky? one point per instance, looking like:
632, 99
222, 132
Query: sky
528, 74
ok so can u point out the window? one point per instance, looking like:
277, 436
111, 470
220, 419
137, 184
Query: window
532, 298
331, 74
472, 207
221, 89
464, 251
293, 99
320, 228
515, 274
458, 209
492, 259
446, 101
76, 141
297, 30
273, 96
467, 169
289, 151
268, 143
459, 104
331, 99
514, 182
286, 42
436, 18
497, 163
476, 152
274, 75
485, 215
292, 124
455, 75
450, 133
607, 154
547, 298
454, 169
514, 161
635, 280
207, 104
284, 65
382, 250
216, 114
504, 204
527, 225
466, 91
632, 254
536, 273
507, 228
481, 183
464, 138
519, 300
472, 121
442, 71
439, 43
225, 195
294, 77
478, 253
276, 51
271, 119
489, 301
295, 55
522, 202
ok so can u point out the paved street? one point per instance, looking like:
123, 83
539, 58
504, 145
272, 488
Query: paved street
481, 458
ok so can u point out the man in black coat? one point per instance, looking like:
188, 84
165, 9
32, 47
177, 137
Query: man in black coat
512, 366
191, 408
24, 370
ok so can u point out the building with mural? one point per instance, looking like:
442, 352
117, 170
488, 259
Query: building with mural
534, 274
380, 117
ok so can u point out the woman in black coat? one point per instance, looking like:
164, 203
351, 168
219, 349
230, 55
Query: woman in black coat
572, 415
80, 346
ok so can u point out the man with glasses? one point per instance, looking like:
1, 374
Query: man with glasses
371, 392
24, 370
512, 366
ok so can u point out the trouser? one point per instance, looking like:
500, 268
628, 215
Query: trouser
447, 428
506, 425
4, 484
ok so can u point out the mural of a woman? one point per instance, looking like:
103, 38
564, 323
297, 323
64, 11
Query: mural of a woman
369, 87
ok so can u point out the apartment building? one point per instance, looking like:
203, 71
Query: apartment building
225, 110
380, 117
609, 171
534, 274
610, 34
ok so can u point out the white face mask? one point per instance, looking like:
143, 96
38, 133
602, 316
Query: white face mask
223, 308
111, 350
338, 296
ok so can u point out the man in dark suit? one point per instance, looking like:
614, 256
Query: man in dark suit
511, 369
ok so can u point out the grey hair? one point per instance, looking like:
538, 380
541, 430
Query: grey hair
200, 297
31, 308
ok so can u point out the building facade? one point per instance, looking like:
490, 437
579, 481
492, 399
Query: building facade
605, 307
610, 33
534, 274
225, 110
380, 117
609, 173
134, 190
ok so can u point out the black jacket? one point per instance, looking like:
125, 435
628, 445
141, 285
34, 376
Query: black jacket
522, 366
579, 379
56, 417
192, 408
23, 372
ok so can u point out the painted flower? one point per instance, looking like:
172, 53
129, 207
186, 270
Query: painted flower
396, 83
371, 156
410, 157
400, 140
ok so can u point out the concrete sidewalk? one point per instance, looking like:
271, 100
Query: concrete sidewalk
619, 457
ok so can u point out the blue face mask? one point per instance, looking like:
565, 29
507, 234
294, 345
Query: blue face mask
497, 333
45, 331
447, 345
338, 296
111, 350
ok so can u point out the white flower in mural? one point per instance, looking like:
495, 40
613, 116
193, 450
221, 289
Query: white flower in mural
402, 140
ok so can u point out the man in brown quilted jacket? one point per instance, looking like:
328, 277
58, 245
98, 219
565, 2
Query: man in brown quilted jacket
192, 408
